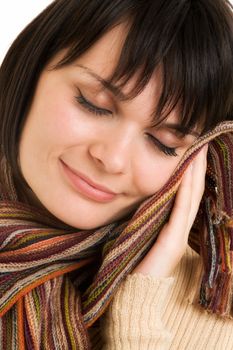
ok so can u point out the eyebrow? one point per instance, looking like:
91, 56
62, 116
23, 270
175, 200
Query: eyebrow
180, 129
116, 91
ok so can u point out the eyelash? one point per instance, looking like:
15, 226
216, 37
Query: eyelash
169, 151
90, 107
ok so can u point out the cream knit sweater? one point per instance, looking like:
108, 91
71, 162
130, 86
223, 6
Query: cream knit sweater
158, 314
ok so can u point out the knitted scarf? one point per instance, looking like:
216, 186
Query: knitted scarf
55, 282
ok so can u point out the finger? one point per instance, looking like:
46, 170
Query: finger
198, 184
184, 211
181, 209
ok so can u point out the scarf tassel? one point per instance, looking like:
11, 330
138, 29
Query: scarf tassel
217, 283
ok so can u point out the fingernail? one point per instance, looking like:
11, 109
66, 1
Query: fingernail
190, 168
205, 148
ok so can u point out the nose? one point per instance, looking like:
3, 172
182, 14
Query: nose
113, 151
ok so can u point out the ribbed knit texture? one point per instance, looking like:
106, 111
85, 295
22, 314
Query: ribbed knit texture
55, 282
134, 318
164, 314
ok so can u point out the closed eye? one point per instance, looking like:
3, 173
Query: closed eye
169, 151
89, 106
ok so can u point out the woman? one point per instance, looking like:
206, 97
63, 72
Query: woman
104, 105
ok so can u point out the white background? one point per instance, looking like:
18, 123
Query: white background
14, 15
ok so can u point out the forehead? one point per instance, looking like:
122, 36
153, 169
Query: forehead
99, 62
104, 54
101, 59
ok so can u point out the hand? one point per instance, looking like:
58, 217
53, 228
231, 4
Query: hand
172, 241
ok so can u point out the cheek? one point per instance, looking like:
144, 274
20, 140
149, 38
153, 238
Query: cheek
56, 122
67, 122
153, 174
59, 118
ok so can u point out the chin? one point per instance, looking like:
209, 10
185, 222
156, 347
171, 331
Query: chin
87, 224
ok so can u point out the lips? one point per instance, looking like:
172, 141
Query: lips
87, 187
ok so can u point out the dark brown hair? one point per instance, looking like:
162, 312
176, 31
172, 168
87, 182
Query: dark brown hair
191, 40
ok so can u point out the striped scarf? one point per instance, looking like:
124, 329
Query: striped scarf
55, 282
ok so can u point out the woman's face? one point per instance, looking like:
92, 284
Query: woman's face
76, 122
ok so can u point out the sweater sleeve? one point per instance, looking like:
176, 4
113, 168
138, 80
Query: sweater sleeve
133, 320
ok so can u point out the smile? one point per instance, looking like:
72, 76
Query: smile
84, 188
